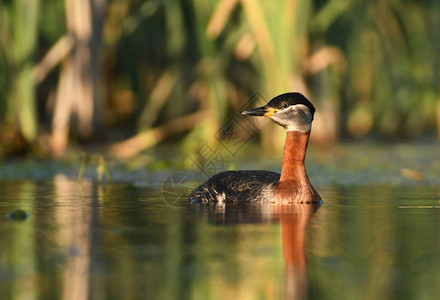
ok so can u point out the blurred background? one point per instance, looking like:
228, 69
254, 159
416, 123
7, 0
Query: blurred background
131, 74
155, 89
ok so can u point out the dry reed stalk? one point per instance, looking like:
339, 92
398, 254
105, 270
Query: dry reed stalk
152, 137
76, 90
53, 57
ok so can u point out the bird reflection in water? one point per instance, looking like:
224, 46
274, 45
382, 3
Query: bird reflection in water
293, 219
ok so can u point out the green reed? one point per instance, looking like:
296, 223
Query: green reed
370, 67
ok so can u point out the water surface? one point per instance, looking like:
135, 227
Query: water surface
125, 241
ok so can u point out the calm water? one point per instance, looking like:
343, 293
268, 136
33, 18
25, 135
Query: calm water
123, 241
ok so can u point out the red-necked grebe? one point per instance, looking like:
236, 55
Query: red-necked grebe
295, 114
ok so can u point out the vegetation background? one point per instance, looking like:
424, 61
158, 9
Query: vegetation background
131, 74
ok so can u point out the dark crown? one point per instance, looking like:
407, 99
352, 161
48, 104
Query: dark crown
291, 99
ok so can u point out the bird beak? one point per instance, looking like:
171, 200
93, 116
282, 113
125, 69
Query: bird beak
261, 111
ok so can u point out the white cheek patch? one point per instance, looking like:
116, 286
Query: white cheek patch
294, 118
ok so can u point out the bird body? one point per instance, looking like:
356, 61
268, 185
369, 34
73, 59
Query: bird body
294, 113
233, 186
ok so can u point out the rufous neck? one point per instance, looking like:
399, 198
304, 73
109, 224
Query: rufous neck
294, 154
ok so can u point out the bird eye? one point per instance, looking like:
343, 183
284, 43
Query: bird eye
284, 106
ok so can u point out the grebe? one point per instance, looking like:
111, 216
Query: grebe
295, 114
